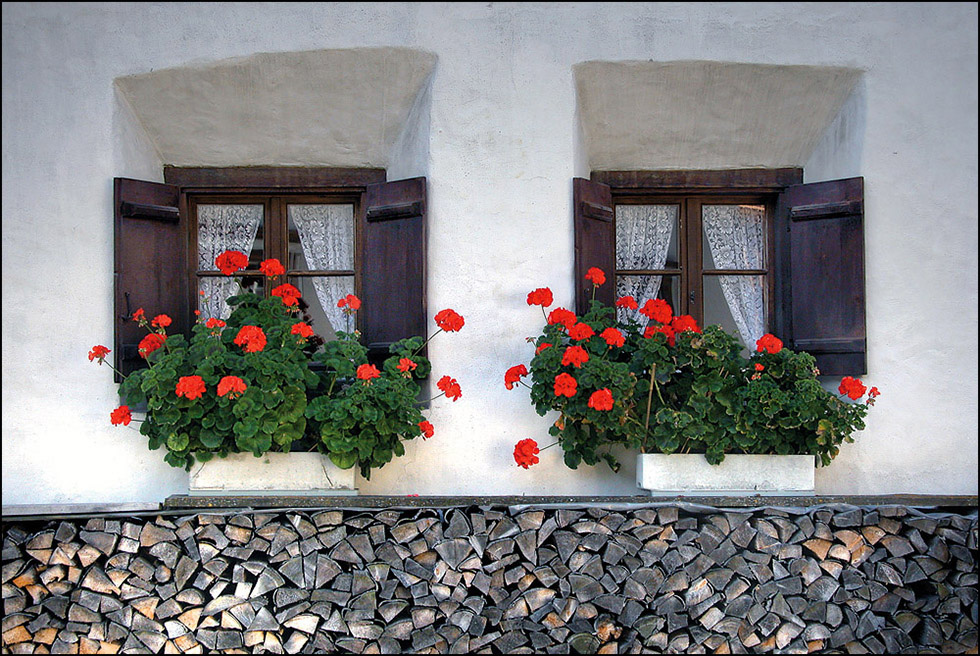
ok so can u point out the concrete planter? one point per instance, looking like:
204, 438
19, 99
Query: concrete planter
690, 474
273, 474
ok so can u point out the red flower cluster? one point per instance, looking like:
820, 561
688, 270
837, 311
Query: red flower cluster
302, 329
513, 375
525, 453
562, 316
121, 415
449, 320
150, 343
450, 388
289, 294
684, 322
565, 385
231, 386
139, 316
161, 321
251, 339
541, 296
575, 356
214, 324
542, 346
427, 429
657, 309
367, 372
601, 400
852, 388
596, 275
580, 332
759, 366
272, 268
770, 344
613, 337
627, 303
405, 365
350, 303
873, 393
191, 387
231, 261
98, 352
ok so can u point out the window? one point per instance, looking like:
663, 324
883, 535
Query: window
337, 231
753, 250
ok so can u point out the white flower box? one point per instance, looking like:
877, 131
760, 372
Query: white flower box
691, 474
286, 474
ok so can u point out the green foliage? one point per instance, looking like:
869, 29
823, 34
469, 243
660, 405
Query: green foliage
698, 395
294, 399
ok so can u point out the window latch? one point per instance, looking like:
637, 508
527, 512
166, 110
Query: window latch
690, 297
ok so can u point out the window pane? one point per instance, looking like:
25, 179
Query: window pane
321, 294
321, 237
216, 289
223, 228
738, 304
644, 288
646, 236
734, 236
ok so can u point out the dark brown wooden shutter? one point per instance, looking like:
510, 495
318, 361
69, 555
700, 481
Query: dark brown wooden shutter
819, 245
393, 268
595, 241
150, 263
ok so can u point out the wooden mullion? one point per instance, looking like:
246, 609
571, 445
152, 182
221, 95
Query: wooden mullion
734, 272
323, 273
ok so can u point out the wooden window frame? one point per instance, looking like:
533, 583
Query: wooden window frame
274, 187
691, 190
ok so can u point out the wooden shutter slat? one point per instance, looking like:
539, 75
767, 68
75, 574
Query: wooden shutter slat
393, 268
820, 292
595, 241
150, 263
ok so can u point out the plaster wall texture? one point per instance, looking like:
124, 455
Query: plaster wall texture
499, 131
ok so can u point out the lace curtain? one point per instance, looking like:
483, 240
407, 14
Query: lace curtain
736, 238
643, 234
221, 228
326, 234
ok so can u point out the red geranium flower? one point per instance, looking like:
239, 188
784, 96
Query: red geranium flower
626, 302
161, 321
684, 322
562, 316
525, 453
231, 261
596, 275
272, 268
121, 415
427, 429
513, 375
289, 294
565, 385
98, 352
139, 315
657, 309
665, 330
873, 392
150, 343
251, 339
541, 296
542, 346
852, 388
231, 386
580, 331
213, 323
405, 365
769, 343
759, 366
450, 387
367, 372
601, 400
449, 320
191, 387
301, 329
575, 356
613, 337
350, 303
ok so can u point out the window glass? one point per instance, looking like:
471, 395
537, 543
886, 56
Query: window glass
644, 288
321, 237
733, 236
229, 227
738, 304
321, 294
647, 237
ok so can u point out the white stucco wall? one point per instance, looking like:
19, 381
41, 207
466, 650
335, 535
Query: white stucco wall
499, 137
